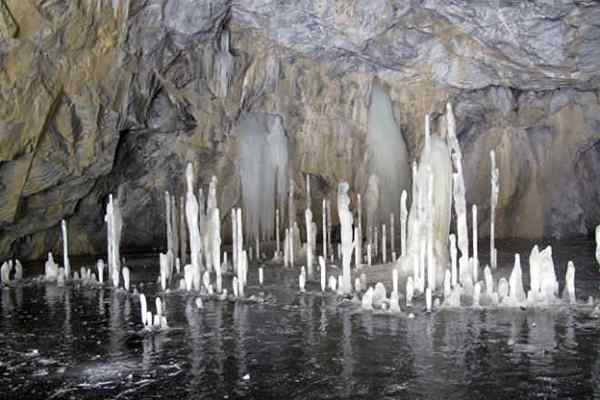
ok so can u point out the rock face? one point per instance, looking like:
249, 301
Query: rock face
99, 100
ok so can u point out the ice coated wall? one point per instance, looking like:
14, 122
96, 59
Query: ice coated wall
388, 156
96, 102
263, 162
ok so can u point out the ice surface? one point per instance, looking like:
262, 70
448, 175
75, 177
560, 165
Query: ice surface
388, 155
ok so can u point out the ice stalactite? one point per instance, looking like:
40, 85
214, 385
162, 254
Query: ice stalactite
191, 210
345, 217
263, 168
493, 204
223, 65
435, 160
388, 155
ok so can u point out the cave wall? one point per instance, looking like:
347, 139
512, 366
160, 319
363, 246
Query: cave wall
99, 100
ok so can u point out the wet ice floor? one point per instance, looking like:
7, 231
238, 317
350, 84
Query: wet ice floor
81, 342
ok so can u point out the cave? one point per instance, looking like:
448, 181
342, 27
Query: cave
299, 199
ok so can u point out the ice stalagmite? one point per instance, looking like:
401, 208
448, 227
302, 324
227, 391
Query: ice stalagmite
435, 157
144, 309
388, 155
460, 207
598, 245
66, 263
323, 270
100, 267
493, 204
403, 218
345, 217
114, 224
216, 247
126, 278
372, 199
515, 283
191, 211
309, 245
569, 290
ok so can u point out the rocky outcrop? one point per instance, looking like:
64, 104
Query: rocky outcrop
98, 100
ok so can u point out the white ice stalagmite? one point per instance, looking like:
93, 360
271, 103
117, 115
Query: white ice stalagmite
277, 238
460, 205
308, 197
240, 241
302, 280
345, 217
216, 247
392, 238
291, 207
403, 219
383, 244
428, 299
447, 283
489, 280
534, 270
206, 280
324, 218
388, 154
548, 281
476, 294
332, 283
358, 237
168, 219
369, 255
376, 241
598, 244
435, 159
261, 276
114, 222
395, 280
475, 235
164, 266
18, 270
50, 269
379, 295
410, 290
66, 263
126, 277
329, 228
493, 204
323, 273
515, 283
367, 299
235, 286
175, 230
158, 305
188, 275
431, 267
100, 267
503, 290
569, 290
309, 245
183, 241
144, 309
5, 273
191, 212
372, 200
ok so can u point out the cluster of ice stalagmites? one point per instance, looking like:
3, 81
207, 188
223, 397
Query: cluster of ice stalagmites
7, 268
155, 321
